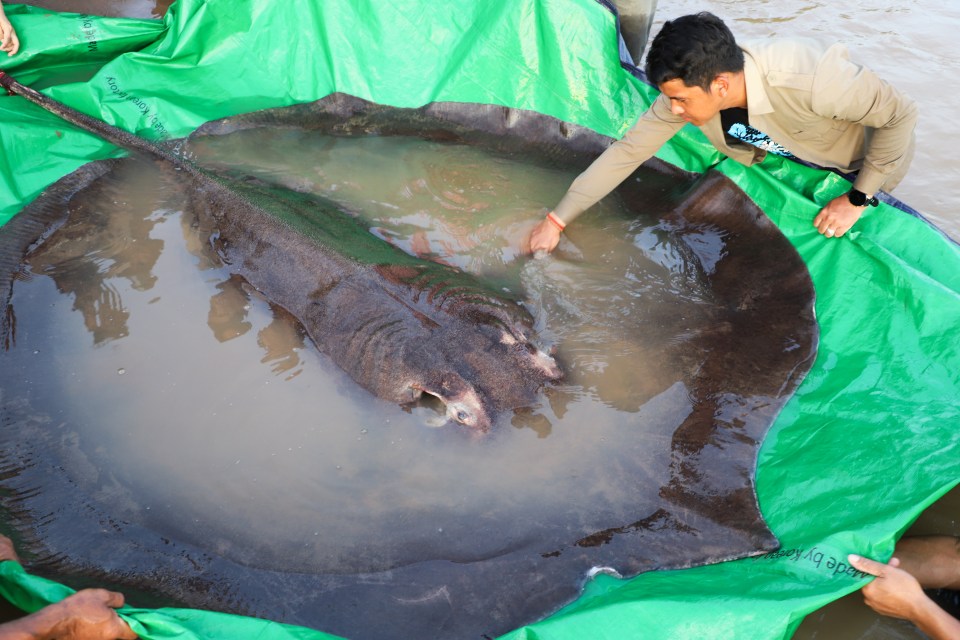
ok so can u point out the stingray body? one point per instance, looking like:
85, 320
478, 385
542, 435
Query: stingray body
739, 366
399, 326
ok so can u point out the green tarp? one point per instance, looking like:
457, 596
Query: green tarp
870, 439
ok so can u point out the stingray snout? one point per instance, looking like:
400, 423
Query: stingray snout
463, 403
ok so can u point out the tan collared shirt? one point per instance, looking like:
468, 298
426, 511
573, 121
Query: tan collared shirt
807, 96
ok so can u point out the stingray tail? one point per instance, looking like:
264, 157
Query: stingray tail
114, 135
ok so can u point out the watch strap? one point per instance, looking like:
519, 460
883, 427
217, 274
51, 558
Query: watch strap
859, 199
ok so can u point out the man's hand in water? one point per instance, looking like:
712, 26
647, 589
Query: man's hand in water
544, 237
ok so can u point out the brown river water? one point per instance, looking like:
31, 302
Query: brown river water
181, 400
909, 43
173, 414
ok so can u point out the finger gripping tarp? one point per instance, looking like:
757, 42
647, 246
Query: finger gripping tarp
875, 418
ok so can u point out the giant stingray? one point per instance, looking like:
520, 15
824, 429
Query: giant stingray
400, 327
736, 371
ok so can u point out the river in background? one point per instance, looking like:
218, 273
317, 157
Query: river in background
911, 44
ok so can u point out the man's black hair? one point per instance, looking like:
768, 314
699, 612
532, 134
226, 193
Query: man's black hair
694, 49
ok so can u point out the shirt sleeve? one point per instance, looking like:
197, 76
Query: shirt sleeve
651, 131
847, 91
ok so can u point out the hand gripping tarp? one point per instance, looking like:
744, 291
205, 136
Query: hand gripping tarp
870, 439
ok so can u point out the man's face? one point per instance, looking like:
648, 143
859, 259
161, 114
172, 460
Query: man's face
693, 104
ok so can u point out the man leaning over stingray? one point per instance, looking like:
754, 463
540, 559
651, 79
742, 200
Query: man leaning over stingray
794, 97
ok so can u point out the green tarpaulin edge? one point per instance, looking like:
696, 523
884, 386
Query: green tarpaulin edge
875, 422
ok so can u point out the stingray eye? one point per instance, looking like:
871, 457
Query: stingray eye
462, 416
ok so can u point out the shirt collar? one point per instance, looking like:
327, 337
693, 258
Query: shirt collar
757, 100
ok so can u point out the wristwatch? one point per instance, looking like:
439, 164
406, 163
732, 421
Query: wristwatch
860, 199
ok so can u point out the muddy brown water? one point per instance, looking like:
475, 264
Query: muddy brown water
907, 43
159, 374
170, 369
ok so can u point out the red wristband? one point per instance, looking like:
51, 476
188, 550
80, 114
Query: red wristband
552, 217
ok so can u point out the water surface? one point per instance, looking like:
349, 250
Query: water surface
174, 375
184, 407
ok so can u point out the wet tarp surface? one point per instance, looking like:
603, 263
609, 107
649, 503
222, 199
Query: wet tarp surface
876, 418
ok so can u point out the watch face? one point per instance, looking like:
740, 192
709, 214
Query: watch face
857, 198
